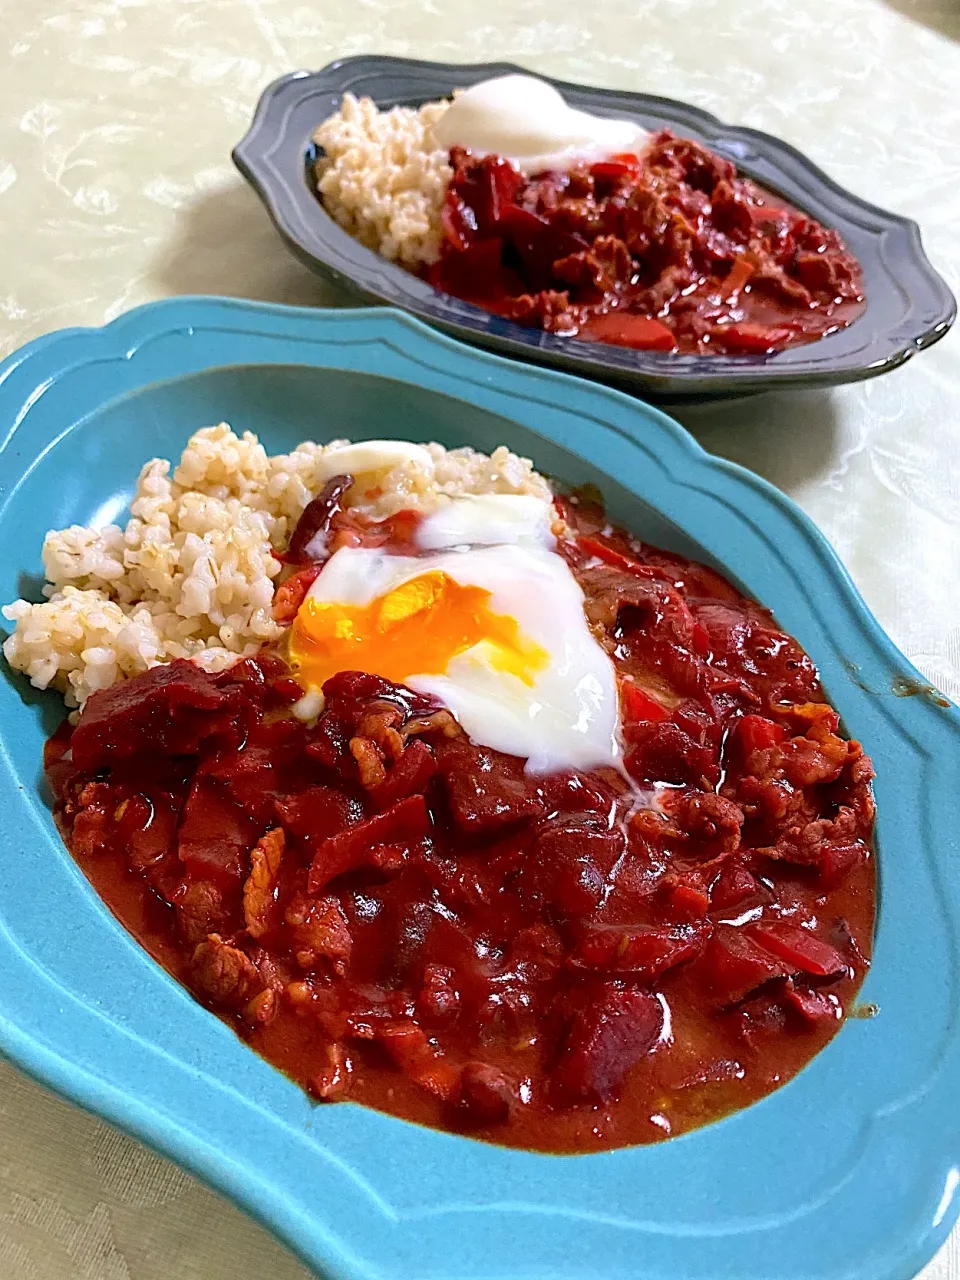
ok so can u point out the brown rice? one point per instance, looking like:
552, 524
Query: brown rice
192, 573
383, 177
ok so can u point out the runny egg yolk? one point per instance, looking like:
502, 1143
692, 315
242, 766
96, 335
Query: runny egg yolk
415, 629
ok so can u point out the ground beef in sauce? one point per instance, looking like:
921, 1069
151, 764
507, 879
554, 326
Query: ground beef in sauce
392, 914
671, 252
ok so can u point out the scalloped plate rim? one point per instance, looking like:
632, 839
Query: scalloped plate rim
39, 367
285, 198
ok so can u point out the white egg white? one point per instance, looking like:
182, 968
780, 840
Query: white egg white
478, 520
526, 121
368, 458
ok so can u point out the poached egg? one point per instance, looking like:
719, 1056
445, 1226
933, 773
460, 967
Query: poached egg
488, 619
527, 122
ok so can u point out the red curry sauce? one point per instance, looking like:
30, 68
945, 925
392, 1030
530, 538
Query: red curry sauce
395, 916
672, 251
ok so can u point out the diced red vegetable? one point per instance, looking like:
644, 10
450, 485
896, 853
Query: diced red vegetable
625, 329
753, 338
663, 752
148, 827
603, 1041
799, 948
409, 776
606, 553
636, 705
169, 710
350, 693
642, 951
411, 1050
215, 835
740, 273
700, 640
486, 790
734, 885
319, 812
486, 1095
408, 820
812, 1006
838, 860
688, 899
618, 166
476, 273
735, 964
568, 864
755, 733
252, 779
459, 223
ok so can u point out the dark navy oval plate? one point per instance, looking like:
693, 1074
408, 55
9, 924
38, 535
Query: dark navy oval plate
849, 1172
908, 305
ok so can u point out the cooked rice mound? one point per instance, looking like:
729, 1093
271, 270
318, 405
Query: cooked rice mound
192, 574
383, 177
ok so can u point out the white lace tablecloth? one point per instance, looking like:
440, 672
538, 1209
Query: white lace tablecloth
116, 123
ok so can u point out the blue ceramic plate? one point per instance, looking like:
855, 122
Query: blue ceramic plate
849, 1171
908, 304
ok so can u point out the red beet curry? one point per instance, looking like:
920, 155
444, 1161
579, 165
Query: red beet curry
669, 252
394, 915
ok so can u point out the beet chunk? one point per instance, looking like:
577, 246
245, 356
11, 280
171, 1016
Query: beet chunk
664, 753
252, 778
319, 812
644, 952
812, 1006
486, 790
568, 864
486, 1095
409, 776
604, 1040
406, 822
737, 965
733, 885
410, 1048
215, 835
349, 694
168, 710
799, 948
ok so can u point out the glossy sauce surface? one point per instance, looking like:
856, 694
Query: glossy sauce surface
569, 962
671, 251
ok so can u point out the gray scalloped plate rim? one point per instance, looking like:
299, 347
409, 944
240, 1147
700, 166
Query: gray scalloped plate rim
849, 1172
909, 305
